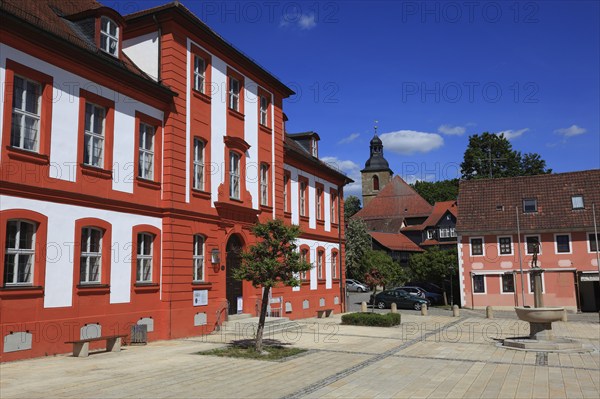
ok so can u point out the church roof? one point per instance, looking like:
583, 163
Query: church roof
396, 200
376, 162
395, 242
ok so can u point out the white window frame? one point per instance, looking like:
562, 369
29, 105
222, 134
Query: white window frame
264, 107
110, 38
198, 257
429, 234
234, 175
144, 259
92, 136
319, 203
534, 203
314, 149
484, 284
573, 199
320, 256
234, 94
333, 207
334, 256
512, 249
502, 284
302, 200
87, 256
556, 244
539, 241
22, 115
18, 252
146, 153
530, 283
198, 178
444, 232
482, 246
304, 253
453, 232
286, 179
589, 242
264, 184
199, 73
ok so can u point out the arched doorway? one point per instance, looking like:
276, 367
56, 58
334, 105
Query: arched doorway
234, 287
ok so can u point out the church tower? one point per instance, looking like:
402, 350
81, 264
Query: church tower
377, 172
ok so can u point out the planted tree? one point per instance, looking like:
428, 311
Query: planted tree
273, 260
434, 265
358, 242
438, 191
381, 270
351, 206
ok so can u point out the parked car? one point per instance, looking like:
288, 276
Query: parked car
402, 299
355, 285
432, 297
431, 287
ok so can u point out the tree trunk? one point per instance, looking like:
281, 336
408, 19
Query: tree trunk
258, 344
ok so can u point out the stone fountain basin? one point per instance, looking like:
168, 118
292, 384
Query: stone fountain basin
540, 315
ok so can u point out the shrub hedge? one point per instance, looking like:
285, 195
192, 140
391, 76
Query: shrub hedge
371, 319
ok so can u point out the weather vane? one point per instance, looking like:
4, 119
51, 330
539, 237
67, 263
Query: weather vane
376, 122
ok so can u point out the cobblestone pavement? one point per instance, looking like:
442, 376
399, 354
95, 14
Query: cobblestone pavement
425, 357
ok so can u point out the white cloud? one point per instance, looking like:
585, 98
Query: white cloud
350, 169
409, 141
571, 131
512, 134
349, 139
307, 22
303, 21
452, 130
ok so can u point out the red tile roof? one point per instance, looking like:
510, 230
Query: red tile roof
396, 200
488, 205
395, 242
439, 210
436, 242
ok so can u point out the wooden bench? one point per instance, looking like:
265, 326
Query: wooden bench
81, 348
324, 312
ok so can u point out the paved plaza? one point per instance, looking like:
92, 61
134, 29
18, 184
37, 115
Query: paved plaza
433, 356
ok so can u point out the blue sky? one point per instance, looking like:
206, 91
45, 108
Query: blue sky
432, 73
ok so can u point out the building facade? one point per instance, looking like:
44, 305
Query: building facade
137, 152
504, 225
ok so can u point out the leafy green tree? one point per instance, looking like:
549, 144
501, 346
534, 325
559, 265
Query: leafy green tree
489, 156
358, 242
271, 261
434, 265
351, 207
381, 270
432, 192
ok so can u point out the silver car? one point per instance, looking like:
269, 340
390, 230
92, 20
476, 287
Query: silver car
355, 285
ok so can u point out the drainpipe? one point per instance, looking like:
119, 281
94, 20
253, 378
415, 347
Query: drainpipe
597, 248
341, 253
472, 295
159, 46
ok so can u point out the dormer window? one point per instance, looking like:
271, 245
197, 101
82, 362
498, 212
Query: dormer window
109, 36
529, 205
577, 202
313, 148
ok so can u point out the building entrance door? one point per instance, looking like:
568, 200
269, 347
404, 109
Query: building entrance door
234, 287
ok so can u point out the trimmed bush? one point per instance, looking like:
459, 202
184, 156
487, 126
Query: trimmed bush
371, 319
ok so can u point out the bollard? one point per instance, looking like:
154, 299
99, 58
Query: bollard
394, 308
455, 311
564, 318
363, 307
489, 312
424, 310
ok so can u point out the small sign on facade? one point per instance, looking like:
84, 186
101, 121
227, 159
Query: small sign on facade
200, 297
240, 304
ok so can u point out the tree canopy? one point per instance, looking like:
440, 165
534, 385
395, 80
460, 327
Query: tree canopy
434, 265
432, 192
358, 243
351, 207
489, 156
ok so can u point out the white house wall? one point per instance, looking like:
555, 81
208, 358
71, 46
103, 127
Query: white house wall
328, 247
143, 50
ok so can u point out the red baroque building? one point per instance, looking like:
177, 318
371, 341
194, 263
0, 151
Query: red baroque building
137, 151
553, 213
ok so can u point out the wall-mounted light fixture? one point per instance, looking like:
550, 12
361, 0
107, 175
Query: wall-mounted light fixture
215, 256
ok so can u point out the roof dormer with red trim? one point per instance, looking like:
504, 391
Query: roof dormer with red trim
103, 27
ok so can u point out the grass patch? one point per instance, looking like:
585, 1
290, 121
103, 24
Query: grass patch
371, 319
248, 352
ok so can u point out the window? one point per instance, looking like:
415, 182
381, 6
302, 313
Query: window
508, 283
577, 201
91, 255
26, 114
444, 232
319, 203
234, 94
93, 142
429, 234
334, 265
314, 148
198, 258
146, 161
452, 232
264, 184
198, 164
593, 239
320, 255
286, 180
478, 284
476, 246
333, 207
532, 245
264, 106
505, 245
234, 175
563, 244
199, 74
304, 258
302, 198
529, 205
109, 36
20, 252
144, 257
375, 180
